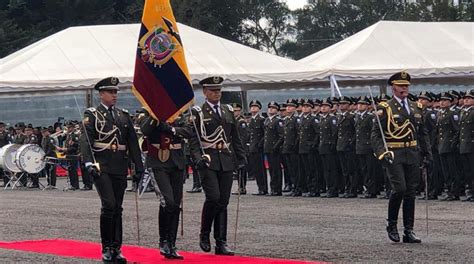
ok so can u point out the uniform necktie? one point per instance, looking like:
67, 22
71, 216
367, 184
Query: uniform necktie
216, 108
405, 107
111, 111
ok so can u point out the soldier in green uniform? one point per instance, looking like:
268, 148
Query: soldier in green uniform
327, 147
31, 138
448, 142
223, 154
273, 139
243, 128
466, 142
71, 150
166, 158
308, 140
48, 145
345, 147
107, 144
19, 137
402, 124
256, 158
290, 146
435, 178
367, 161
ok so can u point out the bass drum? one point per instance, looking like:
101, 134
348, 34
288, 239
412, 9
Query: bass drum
7, 157
30, 158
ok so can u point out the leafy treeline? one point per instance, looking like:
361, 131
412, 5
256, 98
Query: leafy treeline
263, 24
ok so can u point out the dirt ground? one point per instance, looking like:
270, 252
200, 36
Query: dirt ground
319, 229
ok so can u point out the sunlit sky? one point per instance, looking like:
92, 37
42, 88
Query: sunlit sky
294, 4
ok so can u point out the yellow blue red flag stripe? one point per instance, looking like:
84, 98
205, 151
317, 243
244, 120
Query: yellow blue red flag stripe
161, 81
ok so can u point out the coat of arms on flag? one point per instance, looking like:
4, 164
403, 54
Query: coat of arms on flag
159, 44
161, 81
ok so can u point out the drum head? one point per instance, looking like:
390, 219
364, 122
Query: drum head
30, 158
8, 156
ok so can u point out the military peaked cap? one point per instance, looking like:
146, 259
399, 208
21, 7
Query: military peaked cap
273, 104
400, 78
292, 102
109, 83
213, 82
255, 103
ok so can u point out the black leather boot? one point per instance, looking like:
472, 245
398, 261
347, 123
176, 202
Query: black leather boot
163, 224
117, 255
106, 235
207, 217
409, 221
394, 203
107, 255
173, 231
164, 247
220, 234
205, 242
392, 231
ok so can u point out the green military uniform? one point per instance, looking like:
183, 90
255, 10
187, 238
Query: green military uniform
448, 143
345, 147
273, 139
243, 129
111, 141
289, 148
403, 128
363, 149
327, 150
166, 158
218, 133
435, 177
72, 155
466, 145
307, 141
256, 158
48, 145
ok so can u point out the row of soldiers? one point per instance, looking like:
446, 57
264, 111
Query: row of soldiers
54, 142
324, 146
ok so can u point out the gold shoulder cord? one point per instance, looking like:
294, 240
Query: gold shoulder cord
395, 131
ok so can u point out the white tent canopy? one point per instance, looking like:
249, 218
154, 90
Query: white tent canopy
80, 56
424, 49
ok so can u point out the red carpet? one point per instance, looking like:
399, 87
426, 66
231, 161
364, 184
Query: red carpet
89, 250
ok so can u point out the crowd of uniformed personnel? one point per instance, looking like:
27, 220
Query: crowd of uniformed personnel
316, 146
58, 140
333, 147
311, 147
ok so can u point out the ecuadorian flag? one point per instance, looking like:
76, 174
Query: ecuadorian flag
161, 81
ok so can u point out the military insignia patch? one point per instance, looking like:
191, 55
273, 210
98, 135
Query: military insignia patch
455, 117
417, 115
85, 121
316, 121
159, 44
244, 125
433, 116
379, 112
334, 122
280, 124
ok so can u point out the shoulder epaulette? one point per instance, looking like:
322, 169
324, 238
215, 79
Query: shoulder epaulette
125, 111
383, 104
197, 108
230, 107
91, 109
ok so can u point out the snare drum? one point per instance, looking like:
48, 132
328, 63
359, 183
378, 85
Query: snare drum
8, 156
30, 158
